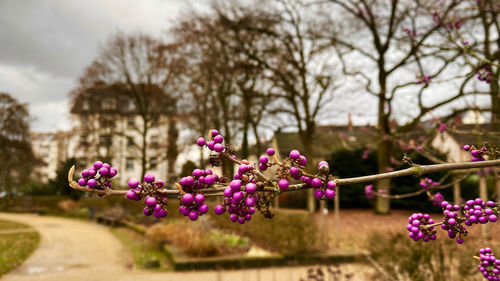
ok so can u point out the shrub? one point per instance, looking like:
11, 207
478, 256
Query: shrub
289, 232
196, 240
403, 259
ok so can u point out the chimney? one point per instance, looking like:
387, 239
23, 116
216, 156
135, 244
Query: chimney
349, 122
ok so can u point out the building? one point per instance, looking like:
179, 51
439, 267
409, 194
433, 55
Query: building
51, 149
107, 125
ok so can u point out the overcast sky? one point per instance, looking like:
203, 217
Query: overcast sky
45, 46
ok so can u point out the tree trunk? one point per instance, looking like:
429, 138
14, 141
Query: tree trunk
483, 193
172, 151
384, 146
307, 138
144, 148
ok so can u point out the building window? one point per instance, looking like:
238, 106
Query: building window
84, 121
86, 105
130, 121
108, 104
105, 140
107, 122
130, 163
130, 141
131, 105
153, 163
154, 140
83, 139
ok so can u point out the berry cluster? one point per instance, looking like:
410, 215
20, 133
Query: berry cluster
484, 74
477, 154
452, 223
410, 32
419, 227
427, 183
436, 199
489, 265
214, 144
239, 203
156, 202
370, 194
425, 79
264, 162
193, 201
98, 176
478, 211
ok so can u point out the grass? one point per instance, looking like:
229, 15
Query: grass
145, 253
15, 247
4, 225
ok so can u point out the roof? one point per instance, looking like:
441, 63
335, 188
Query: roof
121, 99
328, 139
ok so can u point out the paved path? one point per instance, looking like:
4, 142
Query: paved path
72, 250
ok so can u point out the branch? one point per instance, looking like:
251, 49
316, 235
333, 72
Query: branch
416, 170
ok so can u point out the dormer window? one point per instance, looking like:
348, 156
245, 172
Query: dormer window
86, 105
108, 104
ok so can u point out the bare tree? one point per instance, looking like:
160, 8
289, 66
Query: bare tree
294, 58
140, 64
392, 38
16, 156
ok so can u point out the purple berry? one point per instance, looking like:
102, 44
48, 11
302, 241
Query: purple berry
219, 210
92, 183
329, 193
331, 184
322, 163
235, 185
82, 182
283, 184
149, 178
199, 198
187, 199
150, 201
250, 201
294, 154
200, 141
103, 171
270, 151
91, 172
318, 193
218, 139
159, 183
131, 194
193, 215
238, 196
218, 147
250, 188
203, 209
85, 173
466, 147
214, 132
228, 192
112, 172
316, 182
97, 165
211, 145
133, 182
263, 159
210, 179
147, 212
302, 160
233, 218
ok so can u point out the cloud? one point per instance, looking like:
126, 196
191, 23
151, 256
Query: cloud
45, 45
